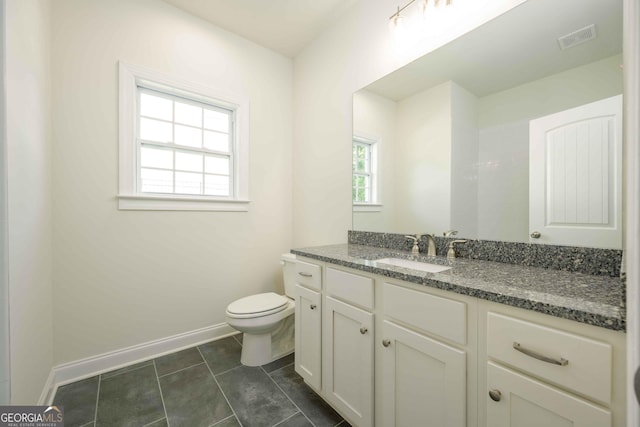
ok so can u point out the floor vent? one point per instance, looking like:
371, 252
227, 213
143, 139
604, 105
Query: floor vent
577, 37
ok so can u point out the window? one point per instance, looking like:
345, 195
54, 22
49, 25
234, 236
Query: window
364, 181
182, 147
186, 147
361, 171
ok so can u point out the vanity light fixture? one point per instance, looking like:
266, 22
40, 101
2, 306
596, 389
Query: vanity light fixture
395, 20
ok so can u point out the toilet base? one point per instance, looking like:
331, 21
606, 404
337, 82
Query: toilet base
260, 349
256, 349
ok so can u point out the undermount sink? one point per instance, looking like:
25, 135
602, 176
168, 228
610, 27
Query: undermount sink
414, 265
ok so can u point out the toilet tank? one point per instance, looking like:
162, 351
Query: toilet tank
288, 262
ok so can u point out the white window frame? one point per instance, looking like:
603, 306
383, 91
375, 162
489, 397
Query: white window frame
129, 197
375, 205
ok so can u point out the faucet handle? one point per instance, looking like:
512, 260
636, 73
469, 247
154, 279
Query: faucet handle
450, 233
415, 250
451, 253
458, 241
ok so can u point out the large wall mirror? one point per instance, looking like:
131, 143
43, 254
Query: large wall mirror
511, 132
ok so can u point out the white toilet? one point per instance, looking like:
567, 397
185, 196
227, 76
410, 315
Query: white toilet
267, 320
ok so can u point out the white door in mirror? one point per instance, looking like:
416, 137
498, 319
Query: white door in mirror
575, 176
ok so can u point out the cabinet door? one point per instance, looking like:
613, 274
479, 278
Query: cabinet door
348, 360
525, 402
424, 380
308, 339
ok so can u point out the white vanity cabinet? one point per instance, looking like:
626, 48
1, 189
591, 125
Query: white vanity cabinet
388, 353
519, 400
423, 378
543, 371
308, 323
347, 337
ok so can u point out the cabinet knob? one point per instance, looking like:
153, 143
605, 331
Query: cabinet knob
536, 235
312, 306
495, 395
386, 343
363, 330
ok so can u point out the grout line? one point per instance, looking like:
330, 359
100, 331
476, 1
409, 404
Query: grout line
126, 371
290, 400
179, 370
227, 371
233, 411
288, 418
164, 408
95, 415
222, 420
279, 369
159, 419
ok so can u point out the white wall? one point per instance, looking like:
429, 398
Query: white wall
503, 182
577, 86
127, 277
28, 133
464, 162
351, 54
423, 161
374, 117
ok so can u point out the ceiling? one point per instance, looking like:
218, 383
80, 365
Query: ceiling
285, 26
514, 48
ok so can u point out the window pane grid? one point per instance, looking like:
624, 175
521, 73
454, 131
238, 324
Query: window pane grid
362, 176
191, 172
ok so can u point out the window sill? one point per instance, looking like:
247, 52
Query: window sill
165, 202
367, 207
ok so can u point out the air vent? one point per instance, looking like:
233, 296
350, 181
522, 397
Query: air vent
577, 37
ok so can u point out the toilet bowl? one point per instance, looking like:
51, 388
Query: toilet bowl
266, 321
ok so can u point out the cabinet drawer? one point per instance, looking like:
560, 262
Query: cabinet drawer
350, 287
309, 275
524, 401
571, 361
440, 316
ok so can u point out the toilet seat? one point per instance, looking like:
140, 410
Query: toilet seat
257, 305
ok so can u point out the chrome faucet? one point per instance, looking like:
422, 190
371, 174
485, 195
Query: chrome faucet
432, 245
451, 253
416, 249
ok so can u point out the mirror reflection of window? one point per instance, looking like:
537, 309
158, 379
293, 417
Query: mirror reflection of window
364, 170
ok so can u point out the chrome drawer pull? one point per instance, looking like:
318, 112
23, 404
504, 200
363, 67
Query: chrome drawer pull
531, 353
386, 343
304, 274
363, 330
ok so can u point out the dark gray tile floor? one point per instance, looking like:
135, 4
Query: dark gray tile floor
200, 386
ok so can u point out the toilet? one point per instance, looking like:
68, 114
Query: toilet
266, 320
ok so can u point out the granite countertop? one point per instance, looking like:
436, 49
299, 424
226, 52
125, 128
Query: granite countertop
591, 299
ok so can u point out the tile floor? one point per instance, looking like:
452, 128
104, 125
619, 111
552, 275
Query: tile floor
200, 386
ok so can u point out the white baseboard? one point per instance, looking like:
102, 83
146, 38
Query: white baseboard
48, 390
91, 366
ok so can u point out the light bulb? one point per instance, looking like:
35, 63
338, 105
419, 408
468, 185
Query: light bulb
396, 26
424, 6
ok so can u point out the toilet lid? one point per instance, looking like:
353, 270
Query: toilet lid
258, 303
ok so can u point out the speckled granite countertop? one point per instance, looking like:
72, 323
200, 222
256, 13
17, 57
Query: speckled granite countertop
595, 300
